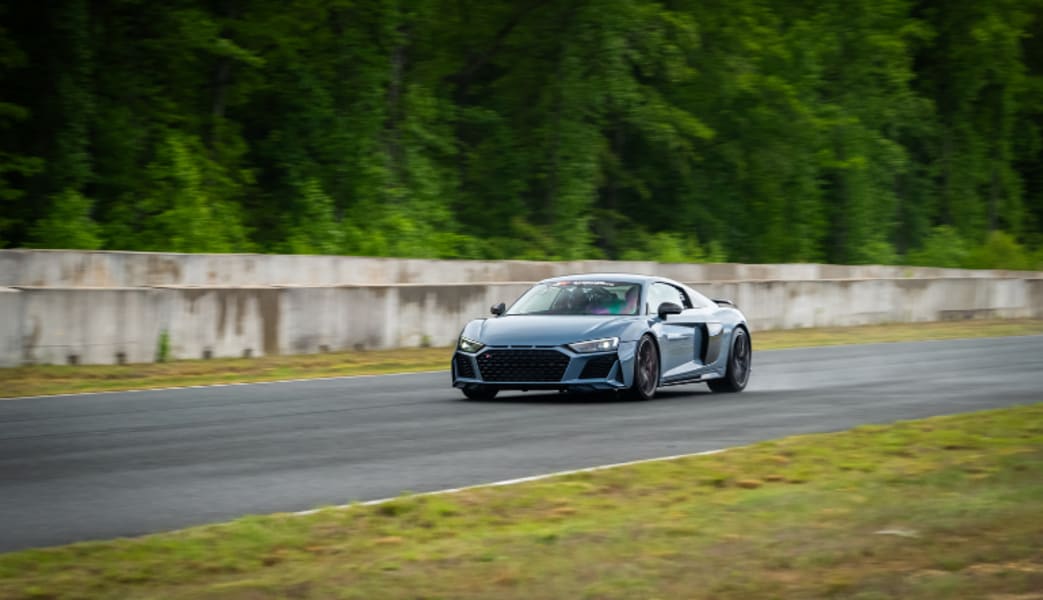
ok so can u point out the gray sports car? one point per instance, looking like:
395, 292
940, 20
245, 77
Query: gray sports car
629, 333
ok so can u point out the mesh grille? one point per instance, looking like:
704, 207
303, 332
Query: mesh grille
464, 366
598, 367
522, 365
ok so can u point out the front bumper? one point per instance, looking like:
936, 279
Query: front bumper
539, 368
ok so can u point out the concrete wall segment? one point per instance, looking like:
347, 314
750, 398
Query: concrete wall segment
11, 265
224, 313
434, 315
1035, 295
11, 327
87, 325
318, 319
822, 303
75, 268
222, 322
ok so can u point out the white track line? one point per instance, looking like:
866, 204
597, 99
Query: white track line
220, 385
509, 481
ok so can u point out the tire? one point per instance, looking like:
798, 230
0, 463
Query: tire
480, 392
740, 357
646, 370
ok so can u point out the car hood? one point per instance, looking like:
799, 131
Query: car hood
549, 330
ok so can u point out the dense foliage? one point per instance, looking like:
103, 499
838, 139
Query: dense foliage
853, 131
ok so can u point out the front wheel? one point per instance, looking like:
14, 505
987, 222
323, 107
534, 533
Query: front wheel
479, 392
646, 370
739, 360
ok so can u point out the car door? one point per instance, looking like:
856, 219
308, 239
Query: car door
679, 342
709, 334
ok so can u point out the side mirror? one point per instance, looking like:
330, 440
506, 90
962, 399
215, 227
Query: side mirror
668, 308
498, 309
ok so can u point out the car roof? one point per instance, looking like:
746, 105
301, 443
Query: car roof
631, 278
620, 277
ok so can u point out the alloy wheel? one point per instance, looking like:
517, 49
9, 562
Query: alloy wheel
647, 369
741, 359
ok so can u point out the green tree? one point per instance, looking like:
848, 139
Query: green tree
68, 224
188, 208
976, 75
681, 130
943, 247
315, 229
15, 165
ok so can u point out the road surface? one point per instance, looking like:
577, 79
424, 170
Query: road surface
99, 466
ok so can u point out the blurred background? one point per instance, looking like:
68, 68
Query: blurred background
854, 131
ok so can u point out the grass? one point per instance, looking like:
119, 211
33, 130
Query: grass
948, 507
897, 332
60, 379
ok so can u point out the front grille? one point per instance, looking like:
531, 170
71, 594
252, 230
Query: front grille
464, 366
598, 367
522, 365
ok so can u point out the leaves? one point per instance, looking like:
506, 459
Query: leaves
758, 131
68, 224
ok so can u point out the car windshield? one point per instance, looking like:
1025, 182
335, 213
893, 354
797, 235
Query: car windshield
578, 297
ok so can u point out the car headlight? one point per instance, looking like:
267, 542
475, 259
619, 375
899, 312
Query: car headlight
469, 345
602, 345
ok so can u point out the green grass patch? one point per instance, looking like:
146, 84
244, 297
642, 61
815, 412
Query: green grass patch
895, 332
62, 379
948, 507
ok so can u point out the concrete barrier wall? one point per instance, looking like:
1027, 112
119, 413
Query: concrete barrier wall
84, 325
11, 318
109, 325
73, 268
825, 303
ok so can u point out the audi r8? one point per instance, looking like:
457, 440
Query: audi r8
604, 332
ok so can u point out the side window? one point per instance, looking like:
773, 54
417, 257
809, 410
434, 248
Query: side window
662, 292
686, 302
701, 301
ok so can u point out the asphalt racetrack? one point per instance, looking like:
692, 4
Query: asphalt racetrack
99, 466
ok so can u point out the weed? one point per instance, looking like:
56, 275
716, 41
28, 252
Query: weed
163, 347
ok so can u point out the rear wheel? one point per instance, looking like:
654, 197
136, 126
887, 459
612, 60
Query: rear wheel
479, 392
739, 359
646, 370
